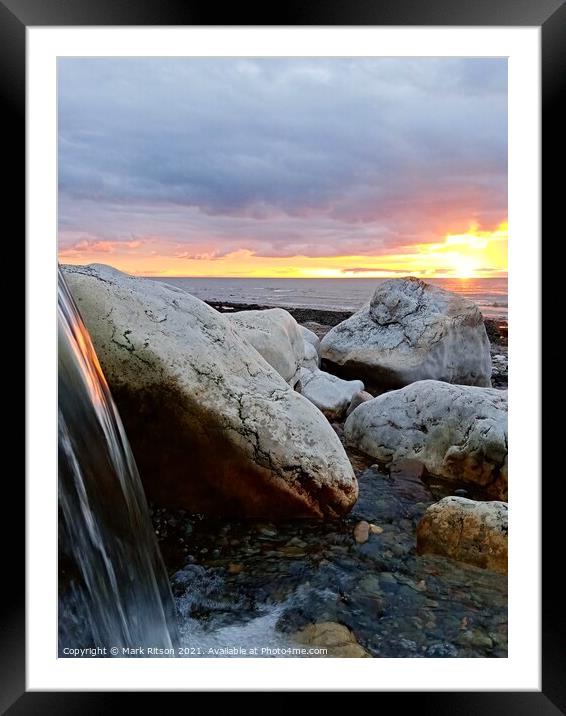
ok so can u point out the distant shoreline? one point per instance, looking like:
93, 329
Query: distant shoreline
496, 326
335, 299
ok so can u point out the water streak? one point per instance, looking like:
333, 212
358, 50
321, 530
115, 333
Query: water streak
113, 586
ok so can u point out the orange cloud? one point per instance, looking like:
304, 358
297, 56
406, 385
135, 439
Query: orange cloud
471, 254
96, 246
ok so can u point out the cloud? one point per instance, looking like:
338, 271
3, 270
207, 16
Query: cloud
281, 157
371, 269
96, 246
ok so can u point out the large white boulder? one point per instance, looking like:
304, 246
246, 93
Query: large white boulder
276, 336
330, 394
469, 531
214, 428
458, 432
411, 331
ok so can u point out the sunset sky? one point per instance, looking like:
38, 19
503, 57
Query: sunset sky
284, 167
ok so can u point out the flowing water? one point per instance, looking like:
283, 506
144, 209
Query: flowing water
249, 585
113, 585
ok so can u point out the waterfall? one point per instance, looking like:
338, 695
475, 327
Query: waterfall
113, 587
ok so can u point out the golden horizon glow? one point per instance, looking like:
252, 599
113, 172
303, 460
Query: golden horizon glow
473, 254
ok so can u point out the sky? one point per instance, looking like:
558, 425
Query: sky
299, 167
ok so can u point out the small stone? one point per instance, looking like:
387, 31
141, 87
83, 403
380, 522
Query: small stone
441, 651
361, 397
292, 551
235, 568
267, 530
387, 578
375, 529
407, 468
361, 532
477, 639
336, 638
296, 542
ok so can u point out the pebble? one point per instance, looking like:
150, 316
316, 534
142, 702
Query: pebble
476, 638
267, 530
234, 568
292, 551
442, 651
387, 578
361, 532
375, 529
461, 492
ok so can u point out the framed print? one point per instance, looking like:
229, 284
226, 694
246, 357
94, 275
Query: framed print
295, 270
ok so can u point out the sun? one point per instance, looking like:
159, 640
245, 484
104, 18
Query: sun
464, 266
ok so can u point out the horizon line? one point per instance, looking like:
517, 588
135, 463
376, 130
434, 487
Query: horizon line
327, 278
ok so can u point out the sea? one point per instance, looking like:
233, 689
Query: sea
338, 294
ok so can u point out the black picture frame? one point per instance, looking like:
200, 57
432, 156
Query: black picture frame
550, 16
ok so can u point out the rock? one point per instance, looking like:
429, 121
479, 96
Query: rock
500, 369
476, 639
375, 529
266, 530
330, 394
411, 331
276, 336
310, 337
213, 427
319, 329
465, 530
311, 360
410, 469
496, 329
441, 650
336, 638
361, 532
359, 398
338, 429
292, 551
407, 477
235, 568
457, 432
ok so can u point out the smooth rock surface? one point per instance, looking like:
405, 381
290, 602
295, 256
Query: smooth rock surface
310, 337
213, 427
458, 432
336, 638
276, 336
359, 398
330, 394
311, 360
411, 331
465, 530
361, 532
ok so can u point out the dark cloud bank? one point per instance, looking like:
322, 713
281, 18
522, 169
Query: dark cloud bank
282, 157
